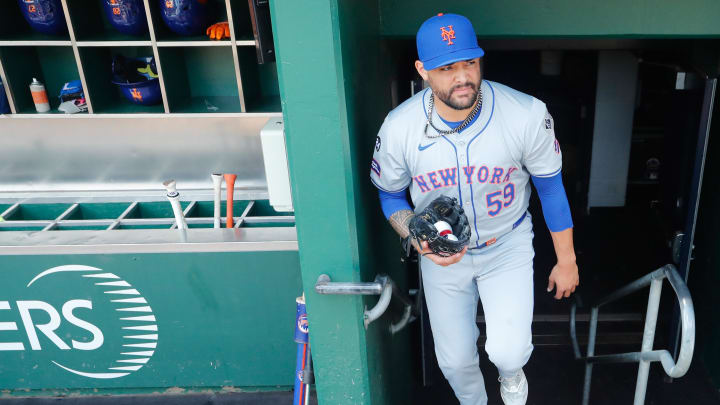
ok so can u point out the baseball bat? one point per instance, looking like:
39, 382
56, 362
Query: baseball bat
301, 389
230, 185
308, 376
217, 179
174, 197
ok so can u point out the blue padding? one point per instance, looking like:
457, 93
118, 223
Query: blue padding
556, 209
393, 202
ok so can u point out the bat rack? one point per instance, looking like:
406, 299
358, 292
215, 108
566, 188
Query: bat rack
141, 226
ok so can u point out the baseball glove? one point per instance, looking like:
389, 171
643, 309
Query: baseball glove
422, 226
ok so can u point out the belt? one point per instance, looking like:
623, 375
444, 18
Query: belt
493, 240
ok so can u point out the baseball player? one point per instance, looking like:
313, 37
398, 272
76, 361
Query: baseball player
480, 142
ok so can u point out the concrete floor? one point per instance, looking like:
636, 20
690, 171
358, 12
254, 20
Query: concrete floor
258, 398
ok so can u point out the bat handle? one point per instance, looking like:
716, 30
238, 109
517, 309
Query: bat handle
230, 183
174, 198
217, 185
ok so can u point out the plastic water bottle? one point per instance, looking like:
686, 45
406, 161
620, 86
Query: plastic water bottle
39, 95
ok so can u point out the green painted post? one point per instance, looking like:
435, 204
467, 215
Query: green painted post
307, 37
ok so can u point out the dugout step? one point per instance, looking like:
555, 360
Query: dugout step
555, 377
551, 330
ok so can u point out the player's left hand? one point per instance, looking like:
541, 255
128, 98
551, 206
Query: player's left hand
564, 277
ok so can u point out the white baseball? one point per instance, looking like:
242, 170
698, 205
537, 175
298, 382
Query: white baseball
444, 229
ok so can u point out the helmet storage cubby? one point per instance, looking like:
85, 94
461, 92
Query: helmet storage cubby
15, 25
186, 20
109, 20
125, 92
200, 79
205, 75
51, 65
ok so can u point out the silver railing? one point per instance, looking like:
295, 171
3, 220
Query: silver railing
382, 286
646, 355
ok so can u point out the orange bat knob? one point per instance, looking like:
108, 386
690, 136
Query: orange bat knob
230, 183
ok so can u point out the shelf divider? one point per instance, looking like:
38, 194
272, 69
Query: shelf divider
156, 54
8, 90
76, 52
35, 43
109, 44
236, 59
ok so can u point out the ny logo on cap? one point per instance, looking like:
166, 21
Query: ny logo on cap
448, 35
136, 94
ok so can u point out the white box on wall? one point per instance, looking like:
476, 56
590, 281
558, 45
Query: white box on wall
612, 133
272, 137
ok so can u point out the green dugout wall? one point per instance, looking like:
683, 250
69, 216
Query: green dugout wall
205, 335
335, 68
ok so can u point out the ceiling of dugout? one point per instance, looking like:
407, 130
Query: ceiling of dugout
581, 18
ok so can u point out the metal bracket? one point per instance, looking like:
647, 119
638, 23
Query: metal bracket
382, 286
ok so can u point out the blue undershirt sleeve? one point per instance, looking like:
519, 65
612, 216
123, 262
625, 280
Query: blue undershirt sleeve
556, 209
393, 202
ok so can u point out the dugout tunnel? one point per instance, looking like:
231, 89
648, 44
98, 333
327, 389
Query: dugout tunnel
628, 87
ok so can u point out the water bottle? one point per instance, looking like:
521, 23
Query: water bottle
39, 95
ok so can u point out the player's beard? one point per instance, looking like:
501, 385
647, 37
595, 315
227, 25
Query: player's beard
446, 97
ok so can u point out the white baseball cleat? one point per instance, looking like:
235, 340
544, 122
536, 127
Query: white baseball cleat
514, 390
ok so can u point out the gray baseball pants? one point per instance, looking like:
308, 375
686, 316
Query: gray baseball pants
501, 276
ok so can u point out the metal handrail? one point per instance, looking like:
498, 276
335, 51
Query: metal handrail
646, 355
382, 286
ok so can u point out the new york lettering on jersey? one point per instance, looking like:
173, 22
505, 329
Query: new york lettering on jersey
487, 166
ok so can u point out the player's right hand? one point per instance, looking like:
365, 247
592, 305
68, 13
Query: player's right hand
440, 260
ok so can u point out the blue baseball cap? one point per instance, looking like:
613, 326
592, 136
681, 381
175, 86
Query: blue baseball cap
445, 39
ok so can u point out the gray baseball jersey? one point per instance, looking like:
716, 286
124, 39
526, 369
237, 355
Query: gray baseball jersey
487, 166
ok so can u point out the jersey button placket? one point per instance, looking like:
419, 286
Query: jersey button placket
466, 189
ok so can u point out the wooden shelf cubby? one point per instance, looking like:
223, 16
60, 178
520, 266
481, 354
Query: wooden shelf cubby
197, 75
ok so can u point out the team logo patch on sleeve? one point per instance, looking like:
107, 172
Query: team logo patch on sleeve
557, 147
548, 121
378, 142
375, 166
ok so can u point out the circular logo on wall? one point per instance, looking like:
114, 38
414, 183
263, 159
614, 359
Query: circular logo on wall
303, 323
106, 318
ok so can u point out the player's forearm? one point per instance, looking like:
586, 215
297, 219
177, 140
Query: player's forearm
563, 243
400, 222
